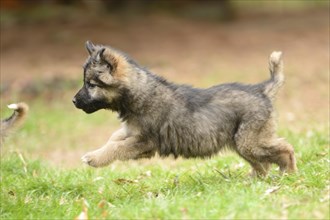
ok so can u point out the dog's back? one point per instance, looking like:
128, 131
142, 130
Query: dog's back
200, 122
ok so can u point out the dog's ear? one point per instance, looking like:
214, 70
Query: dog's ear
106, 57
90, 47
100, 55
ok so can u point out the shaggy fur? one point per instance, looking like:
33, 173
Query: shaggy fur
170, 119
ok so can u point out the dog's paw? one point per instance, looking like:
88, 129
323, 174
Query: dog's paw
91, 159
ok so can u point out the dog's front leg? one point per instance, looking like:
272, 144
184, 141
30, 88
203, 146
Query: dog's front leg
129, 148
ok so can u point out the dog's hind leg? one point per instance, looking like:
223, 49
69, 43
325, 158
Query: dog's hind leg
129, 148
280, 152
259, 169
275, 150
260, 147
246, 141
252, 134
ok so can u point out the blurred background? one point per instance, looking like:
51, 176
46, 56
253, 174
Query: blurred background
197, 42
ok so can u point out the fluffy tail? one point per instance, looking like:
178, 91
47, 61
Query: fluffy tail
277, 77
15, 120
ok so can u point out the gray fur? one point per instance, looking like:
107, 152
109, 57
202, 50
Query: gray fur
170, 119
14, 121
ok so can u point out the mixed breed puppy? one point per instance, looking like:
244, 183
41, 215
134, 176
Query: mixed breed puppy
169, 119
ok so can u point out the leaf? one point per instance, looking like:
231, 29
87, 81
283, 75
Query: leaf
271, 190
98, 178
148, 173
100, 190
84, 214
34, 173
125, 181
101, 204
150, 195
27, 199
62, 201
240, 165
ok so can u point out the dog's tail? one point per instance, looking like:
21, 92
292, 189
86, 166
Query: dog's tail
15, 120
276, 72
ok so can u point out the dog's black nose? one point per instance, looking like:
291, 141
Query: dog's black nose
74, 100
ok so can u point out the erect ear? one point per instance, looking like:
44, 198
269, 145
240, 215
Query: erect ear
90, 47
100, 54
106, 58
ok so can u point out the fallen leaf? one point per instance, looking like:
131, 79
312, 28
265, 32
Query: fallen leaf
111, 205
125, 181
101, 204
150, 195
82, 216
27, 199
321, 154
271, 190
105, 214
62, 201
148, 173
85, 204
34, 173
100, 190
326, 194
184, 210
98, 178
240, 165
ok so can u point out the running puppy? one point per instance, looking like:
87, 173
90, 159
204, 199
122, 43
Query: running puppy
159, 116
15, 120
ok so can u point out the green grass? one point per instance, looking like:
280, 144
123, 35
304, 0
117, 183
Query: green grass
159, 189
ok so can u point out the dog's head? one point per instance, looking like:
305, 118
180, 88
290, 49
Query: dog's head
105, 77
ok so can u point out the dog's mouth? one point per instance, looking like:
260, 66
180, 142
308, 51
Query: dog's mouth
89, 107
89, 110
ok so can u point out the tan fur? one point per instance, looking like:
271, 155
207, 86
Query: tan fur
122, 145
120, 65
276, 70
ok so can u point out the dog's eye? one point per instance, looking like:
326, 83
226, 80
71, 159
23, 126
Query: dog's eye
91, 85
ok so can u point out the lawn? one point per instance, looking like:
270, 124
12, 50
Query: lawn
32, 188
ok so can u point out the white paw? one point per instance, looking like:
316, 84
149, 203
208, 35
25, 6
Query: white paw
91, 159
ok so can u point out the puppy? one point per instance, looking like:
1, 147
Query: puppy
170, 119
